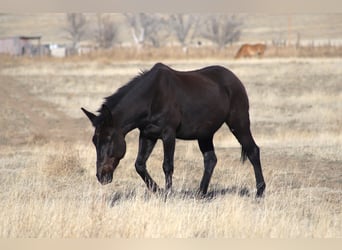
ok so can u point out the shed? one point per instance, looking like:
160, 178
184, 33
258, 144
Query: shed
20, 45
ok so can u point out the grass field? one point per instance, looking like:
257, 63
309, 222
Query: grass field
47, 161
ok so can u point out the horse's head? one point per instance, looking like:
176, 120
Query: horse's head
109, 142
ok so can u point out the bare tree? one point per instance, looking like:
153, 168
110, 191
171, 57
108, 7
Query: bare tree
147, 28
76, 28
184, 27
137, 30
221, 29
106, 33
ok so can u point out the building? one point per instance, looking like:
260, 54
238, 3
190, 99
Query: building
21, 45
57, 50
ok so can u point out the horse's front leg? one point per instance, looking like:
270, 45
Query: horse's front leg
146, 146
169, 142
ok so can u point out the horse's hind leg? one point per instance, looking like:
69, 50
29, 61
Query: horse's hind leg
207, 149
241, 130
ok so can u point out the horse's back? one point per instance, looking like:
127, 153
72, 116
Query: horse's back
213, 85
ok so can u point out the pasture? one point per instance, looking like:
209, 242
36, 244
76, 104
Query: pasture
47, 160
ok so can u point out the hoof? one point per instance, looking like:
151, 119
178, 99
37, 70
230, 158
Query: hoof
199, 195
260, 190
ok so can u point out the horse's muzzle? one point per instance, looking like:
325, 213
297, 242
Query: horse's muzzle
104, 178
105, 173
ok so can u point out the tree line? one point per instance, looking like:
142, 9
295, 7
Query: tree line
149, 29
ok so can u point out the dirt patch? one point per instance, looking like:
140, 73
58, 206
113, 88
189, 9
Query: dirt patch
26, 118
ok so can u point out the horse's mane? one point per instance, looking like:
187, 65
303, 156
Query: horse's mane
112, 100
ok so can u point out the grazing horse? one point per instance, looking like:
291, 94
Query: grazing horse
249, 50
167, 104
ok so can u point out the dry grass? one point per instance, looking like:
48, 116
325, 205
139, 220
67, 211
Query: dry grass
124, 54
54, 197
49, 185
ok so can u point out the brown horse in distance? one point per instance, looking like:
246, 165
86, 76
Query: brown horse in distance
250, 50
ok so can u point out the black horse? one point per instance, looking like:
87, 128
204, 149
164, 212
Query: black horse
167, 104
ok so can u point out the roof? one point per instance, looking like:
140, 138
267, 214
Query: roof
30, 37
23, 37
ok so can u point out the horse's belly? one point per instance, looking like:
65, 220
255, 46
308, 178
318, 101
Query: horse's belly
201, 121
200, 129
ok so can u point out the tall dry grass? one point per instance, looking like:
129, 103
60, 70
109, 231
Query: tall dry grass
56, 195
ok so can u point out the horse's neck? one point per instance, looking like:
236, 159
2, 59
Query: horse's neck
130, 112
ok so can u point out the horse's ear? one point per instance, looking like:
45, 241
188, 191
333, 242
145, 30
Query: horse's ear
90, 115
